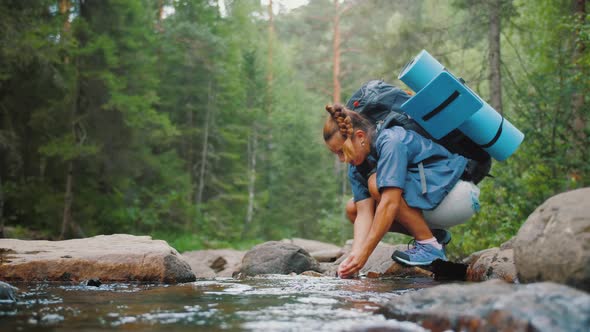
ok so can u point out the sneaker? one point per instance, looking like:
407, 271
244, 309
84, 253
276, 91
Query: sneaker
421, 254
442, 236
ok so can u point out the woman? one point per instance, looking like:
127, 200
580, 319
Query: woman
401, 182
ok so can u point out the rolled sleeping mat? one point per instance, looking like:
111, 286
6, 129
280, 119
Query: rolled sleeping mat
492, 132
420, 71
443, 103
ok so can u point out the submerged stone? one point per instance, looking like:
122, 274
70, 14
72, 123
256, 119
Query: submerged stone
7, 293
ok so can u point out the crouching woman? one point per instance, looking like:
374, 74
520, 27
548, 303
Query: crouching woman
401, 182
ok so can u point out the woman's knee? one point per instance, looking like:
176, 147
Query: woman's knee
351, 210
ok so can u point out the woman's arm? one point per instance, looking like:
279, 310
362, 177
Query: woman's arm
387, 210
362, 223
367, 238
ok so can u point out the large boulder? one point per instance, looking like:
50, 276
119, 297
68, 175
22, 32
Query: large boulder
554, 242
494, 306
276, 257
109, 258
214, 262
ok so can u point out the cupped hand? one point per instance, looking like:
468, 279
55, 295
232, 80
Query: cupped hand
351, 265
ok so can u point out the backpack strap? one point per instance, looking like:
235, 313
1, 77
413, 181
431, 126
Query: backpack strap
422, 177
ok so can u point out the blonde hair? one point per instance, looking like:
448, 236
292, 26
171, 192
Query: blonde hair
344, 121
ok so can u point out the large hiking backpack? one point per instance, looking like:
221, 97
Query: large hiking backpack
381, 102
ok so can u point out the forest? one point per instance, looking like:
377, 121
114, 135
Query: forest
199, 121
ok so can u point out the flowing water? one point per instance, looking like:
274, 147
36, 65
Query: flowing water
271, 303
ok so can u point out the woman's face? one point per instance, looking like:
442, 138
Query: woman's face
359, 153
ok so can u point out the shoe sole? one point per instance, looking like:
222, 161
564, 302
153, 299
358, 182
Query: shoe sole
412, 263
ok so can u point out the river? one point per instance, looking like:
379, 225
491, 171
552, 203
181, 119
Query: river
270, 303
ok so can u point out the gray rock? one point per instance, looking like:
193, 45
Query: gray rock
493, 263
277, 258
321, 251
494, 306
110, 258
214, 262
7, 293
554, 242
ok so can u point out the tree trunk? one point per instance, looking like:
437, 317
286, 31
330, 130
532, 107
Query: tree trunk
578, 119
1, 209
252, 149
204, 149
190, 156
336, 91
67, 221
494, 55
269, 73
64, 8
336, 54
160, 15
68, 199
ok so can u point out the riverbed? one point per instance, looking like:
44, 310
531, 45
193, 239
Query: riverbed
269, 303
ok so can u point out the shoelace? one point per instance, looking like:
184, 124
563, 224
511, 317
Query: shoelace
414, 248
413, 242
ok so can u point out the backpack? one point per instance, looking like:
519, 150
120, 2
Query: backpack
381, 103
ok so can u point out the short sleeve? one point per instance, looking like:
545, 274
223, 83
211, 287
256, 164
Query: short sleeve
392, 166
358, 184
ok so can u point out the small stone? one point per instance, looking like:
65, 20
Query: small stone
311, 274
7, 293
95, 282
373, 275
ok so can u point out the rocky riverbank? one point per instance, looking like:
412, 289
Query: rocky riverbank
537, 281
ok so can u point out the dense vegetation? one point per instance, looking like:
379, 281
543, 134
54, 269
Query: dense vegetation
199, 121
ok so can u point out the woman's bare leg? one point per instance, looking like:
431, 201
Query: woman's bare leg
409, 220
351, 214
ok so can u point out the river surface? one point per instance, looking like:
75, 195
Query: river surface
271, 303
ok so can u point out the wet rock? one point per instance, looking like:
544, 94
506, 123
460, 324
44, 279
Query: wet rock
110, 258
311, 274
321, 251
93, 282
277, 258
327, 255
554, 242
385, 326
7, 293
214, 262
494, 306
493, 263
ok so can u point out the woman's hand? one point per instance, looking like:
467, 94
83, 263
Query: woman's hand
351, 265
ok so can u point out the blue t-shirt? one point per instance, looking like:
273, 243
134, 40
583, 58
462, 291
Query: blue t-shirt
396, 157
